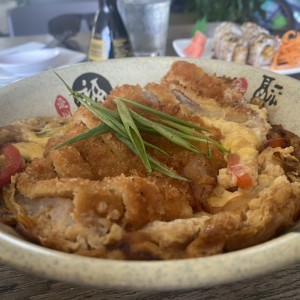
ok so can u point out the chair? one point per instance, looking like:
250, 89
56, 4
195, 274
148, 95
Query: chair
34, 19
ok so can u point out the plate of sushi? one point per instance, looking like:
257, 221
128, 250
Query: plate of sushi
248, 43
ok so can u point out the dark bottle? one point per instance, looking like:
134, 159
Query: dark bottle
120, 41
108, 38
100, 43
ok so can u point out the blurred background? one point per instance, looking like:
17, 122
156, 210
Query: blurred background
25, 17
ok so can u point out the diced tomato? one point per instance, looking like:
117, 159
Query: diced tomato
196, 48
243, 178
13, 164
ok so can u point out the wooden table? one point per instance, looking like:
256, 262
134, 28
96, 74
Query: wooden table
15, 284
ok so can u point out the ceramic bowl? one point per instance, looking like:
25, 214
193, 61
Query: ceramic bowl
44, 94
28, 62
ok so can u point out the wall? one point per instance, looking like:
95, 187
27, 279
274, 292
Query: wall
4, 6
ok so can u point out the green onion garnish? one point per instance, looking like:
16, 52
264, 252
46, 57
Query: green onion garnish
128, 126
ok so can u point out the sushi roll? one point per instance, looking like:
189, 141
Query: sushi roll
229, 44
228, 27
231, 48
251, 31
262, 50
248, 43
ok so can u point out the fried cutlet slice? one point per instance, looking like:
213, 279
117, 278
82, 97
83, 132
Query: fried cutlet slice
78, 210
211, 96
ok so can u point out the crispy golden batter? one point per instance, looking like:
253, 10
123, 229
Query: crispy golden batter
94, 197
208, 95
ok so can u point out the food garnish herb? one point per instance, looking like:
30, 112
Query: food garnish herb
127, 125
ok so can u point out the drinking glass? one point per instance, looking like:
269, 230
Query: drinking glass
146, 22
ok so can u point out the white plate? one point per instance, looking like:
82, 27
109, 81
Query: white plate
65, 57
180, 44
38, 95
285, 71
29, 62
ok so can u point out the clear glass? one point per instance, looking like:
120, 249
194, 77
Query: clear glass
147, 24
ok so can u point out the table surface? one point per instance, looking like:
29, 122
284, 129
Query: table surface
15, 284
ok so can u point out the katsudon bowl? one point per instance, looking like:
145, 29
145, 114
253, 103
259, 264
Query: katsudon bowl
46, 95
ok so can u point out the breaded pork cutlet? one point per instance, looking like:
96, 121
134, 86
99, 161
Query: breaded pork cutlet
95, 198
